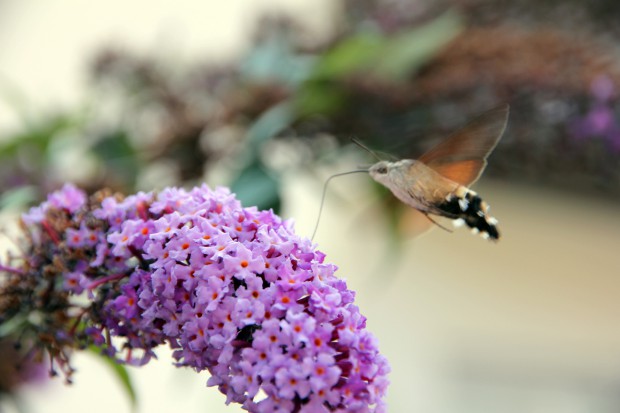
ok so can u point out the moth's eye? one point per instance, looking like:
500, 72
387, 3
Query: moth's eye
382, 170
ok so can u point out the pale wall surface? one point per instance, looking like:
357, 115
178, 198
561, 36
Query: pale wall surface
46, 46
530, 324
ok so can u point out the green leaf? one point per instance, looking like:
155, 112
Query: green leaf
275, 60
270, 123
18, 198
392, 58
118, 155
254, 186
13, 325
407, 52
39, 135
114, 145
351, 55
120, 371
324, 97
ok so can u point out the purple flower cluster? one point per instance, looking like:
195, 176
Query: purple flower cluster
601, 120
232, 290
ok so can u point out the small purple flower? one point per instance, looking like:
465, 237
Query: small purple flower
600, 121
36, 215
69, 198
324, 373
111, 212
292, 380
614, 139
82, 237
240, 261
602, 88
76, 282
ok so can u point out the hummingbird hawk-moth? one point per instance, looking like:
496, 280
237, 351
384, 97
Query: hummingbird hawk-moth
437, 183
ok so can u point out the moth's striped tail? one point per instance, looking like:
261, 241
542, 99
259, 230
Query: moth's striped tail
469, 209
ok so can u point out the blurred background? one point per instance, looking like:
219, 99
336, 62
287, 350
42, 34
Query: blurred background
264, 97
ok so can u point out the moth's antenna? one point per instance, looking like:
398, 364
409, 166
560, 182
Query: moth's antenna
318, 219
364, 147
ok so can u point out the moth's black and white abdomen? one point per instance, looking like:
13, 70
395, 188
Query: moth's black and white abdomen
465, 206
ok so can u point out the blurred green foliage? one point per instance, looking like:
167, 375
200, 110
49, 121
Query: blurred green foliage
389, 58
303, 84
121, 373
315, 87
391, 75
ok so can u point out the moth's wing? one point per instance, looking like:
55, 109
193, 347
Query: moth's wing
472, 142
414, 223
462, 156
461, 172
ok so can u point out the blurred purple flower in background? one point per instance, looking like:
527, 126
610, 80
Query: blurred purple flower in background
232, 290
601, 120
